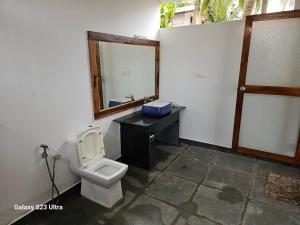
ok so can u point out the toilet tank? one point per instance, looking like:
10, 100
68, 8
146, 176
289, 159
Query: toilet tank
72, 154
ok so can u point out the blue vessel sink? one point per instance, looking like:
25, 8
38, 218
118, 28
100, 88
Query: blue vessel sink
157, 108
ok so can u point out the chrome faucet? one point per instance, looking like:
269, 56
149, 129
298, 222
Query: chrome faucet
147, 99
131, 97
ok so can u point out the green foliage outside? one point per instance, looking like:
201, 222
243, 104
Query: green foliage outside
210, 10
168, 9
220, 10
214, 10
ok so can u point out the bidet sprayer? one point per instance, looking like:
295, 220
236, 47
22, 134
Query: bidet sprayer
45, 147
52, 176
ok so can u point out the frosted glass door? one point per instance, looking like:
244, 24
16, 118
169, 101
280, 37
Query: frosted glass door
267, 119
270, 123
274, 56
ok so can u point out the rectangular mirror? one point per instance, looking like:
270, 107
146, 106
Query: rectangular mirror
124, 72
127, 72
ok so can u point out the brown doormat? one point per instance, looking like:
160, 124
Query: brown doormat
283, 188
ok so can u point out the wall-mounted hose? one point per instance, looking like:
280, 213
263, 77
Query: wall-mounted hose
52, 176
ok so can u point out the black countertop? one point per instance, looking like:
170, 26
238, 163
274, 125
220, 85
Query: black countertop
138, 119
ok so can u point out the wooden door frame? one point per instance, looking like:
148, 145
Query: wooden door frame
270, 90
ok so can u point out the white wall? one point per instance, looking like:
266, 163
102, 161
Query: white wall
45, 86
200, 70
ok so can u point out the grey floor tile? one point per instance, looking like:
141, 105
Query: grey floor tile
161, 159
236, 182
171, 189
220, 206
258, 193
265, 167
195, 220
193, 169
235, 162
101, 222
139, 215
137, 179
187, 209
128, 197
201, 153
258, 213
146, 211
173, 149
184, 144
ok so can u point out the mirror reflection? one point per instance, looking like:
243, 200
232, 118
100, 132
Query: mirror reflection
127, 72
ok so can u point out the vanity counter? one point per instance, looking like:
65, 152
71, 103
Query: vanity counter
138, 119
140, 132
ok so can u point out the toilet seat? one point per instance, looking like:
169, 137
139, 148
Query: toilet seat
103, 171
90, 146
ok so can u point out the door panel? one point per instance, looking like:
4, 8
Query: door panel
274, 53
270, 123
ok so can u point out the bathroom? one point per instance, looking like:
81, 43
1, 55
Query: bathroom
46, 98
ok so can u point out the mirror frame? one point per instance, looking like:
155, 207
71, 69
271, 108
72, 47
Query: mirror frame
96, 82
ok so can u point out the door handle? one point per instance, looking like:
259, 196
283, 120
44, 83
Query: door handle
242, 88
152, 138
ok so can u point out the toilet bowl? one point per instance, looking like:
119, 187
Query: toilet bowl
100, 177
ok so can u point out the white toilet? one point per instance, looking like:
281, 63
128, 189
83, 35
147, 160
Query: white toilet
100, 177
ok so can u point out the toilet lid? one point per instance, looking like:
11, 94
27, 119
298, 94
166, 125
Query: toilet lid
90, 145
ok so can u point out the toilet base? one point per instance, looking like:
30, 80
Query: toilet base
106, 197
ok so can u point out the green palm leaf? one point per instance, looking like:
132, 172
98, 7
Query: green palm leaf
241, 4
204, 7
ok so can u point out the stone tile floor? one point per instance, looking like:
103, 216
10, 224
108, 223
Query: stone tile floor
190, 186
